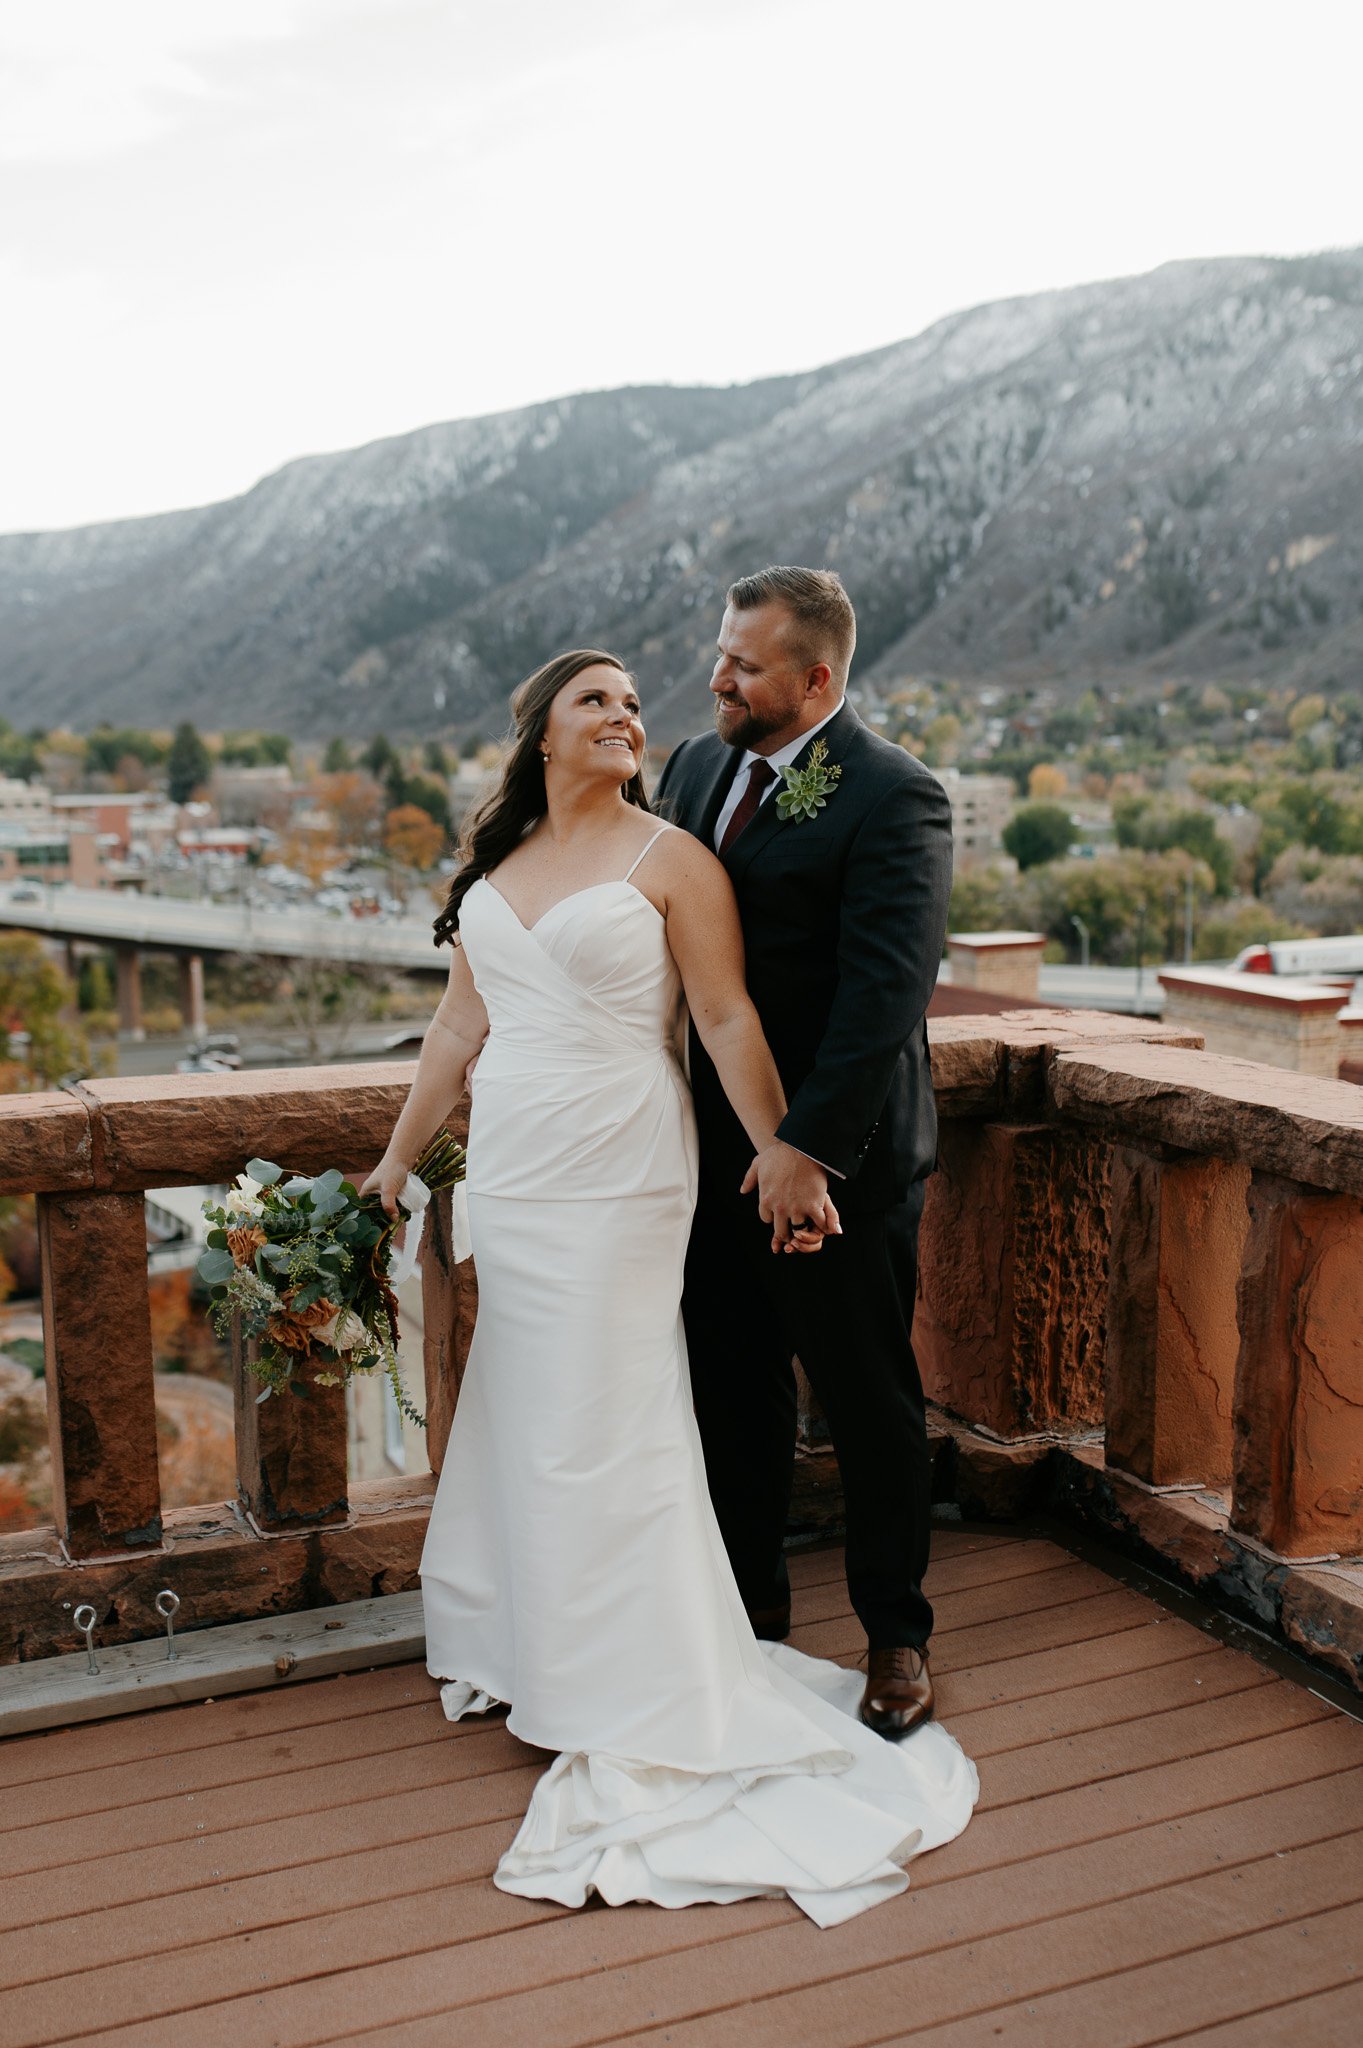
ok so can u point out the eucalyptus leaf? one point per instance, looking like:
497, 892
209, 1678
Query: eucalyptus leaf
216, 1267
298, 1387
264, 1171
265, 1396
299, 1185
218, 1240
328, 1204
328, 1182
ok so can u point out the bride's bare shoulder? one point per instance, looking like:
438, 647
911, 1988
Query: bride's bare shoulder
679, 860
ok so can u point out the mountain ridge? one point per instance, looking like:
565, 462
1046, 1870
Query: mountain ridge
1117, 482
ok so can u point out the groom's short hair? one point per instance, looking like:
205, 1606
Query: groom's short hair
826, 625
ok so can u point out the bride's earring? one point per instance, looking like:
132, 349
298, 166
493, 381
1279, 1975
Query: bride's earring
545, 754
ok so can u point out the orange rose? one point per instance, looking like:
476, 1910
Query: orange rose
245, 1242
293, 1328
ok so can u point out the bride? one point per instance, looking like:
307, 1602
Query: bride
573, 1566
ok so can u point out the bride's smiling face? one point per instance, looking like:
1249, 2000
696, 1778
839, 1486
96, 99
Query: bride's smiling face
594, 727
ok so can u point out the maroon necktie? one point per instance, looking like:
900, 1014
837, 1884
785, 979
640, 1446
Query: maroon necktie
760, 777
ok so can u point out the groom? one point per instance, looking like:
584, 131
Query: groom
844, 911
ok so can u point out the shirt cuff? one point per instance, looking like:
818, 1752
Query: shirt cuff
831, 1171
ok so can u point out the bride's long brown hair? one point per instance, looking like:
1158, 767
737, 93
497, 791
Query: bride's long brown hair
501, 821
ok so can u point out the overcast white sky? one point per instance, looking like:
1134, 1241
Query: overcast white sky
235, 231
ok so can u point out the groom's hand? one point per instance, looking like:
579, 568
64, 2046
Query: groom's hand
792, 1196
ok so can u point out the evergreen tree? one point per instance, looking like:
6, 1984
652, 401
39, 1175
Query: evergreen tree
337, 758
378, 756
188, 764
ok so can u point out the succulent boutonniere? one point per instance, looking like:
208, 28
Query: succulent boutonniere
808, 789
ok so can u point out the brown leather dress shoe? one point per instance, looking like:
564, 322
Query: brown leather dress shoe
898, 1696
770, 1624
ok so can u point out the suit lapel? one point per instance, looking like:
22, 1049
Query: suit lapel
716, 781
837, 736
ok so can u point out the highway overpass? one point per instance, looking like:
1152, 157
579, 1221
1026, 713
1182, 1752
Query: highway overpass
130, 925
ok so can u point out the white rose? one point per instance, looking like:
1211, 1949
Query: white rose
334, 1331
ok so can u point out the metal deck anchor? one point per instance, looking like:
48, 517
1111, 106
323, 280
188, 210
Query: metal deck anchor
168, 1606
87, 1629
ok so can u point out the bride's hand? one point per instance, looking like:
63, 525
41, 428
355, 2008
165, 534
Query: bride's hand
387, 1182
809, 1235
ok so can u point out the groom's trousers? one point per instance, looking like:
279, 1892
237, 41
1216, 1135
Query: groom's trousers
846, 1311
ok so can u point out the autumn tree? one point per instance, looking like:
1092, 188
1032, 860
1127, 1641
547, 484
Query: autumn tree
412, 836
351, 800
1046, 784
37, 1050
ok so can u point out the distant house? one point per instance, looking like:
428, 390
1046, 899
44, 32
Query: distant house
981, 806
48, 851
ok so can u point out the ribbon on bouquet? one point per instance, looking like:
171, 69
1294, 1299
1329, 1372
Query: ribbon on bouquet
415, 1198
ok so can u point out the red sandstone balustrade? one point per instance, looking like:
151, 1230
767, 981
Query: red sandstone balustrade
1125, 1233
1216, 1205
88, 1154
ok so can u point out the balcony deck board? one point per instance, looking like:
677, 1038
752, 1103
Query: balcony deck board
1167, 1847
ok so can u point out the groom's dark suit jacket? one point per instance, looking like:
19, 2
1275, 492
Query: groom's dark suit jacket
844, 915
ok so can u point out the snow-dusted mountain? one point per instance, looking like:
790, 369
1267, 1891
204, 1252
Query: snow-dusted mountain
1157, 476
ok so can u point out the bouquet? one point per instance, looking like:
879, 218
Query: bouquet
307, 1263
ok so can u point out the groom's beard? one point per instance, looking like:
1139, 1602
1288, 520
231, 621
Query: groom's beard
738, 725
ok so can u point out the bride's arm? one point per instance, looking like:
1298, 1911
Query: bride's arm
455, 1037
706, 939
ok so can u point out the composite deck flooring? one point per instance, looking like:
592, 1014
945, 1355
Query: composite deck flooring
1168, 1848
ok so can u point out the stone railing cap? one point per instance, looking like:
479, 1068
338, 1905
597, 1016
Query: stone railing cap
1296, 1126
981, 940
163, 1130
994, 1066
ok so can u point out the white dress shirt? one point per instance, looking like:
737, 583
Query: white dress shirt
782, 758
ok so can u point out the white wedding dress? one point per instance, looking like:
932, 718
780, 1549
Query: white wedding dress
573, 1565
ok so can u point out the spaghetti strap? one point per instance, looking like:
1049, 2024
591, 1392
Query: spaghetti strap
649, 848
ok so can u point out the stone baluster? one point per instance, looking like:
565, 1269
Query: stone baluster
292, 1451
1178, 1232
1299, 1375
101, 1406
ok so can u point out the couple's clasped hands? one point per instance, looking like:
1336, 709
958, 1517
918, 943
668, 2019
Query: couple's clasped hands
792, 1196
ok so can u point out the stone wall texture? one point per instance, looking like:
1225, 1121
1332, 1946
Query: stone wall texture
101, 1402
1178, 1232
291, 1452
1299, 1375
1013, 1277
